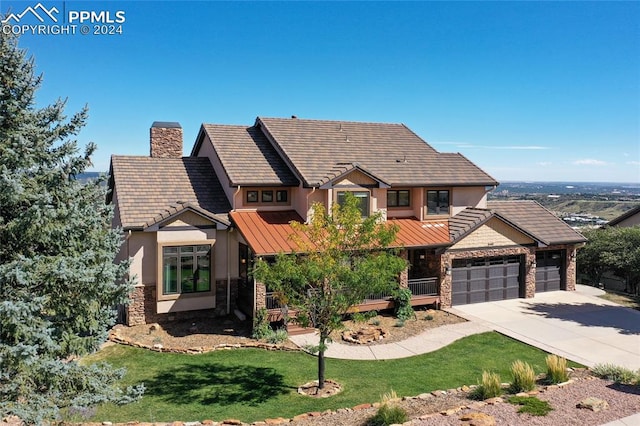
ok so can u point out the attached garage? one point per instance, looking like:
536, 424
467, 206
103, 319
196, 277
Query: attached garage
486, 279
549, 270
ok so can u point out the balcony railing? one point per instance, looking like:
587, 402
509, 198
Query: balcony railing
424, 286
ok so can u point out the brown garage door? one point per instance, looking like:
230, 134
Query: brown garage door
549, 270
485, 279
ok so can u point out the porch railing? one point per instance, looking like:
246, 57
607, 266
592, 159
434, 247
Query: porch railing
271, 301
424, 286
379, 296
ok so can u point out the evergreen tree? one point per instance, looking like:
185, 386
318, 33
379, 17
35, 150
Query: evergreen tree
59, 284
343, 259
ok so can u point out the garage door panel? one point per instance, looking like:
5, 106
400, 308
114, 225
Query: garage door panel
489, 279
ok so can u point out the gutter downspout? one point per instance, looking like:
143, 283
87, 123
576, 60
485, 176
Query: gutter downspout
234, 197
307, 212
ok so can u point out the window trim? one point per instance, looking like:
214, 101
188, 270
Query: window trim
437, 191
397, 193
161, 296
361, 190
260, 194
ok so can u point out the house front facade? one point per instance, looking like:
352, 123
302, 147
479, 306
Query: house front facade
195, 224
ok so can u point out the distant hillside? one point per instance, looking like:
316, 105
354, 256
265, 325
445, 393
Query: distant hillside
88, 176
565, 199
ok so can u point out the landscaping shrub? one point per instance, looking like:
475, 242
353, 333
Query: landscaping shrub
261, 327
402, 302
389, 412
490, 386
617, 374
531, 405
524, 378
556, 369
278, 336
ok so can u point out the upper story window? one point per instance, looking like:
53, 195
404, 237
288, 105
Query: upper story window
267, 196
361, 196
398, 198
186, 269
438, 202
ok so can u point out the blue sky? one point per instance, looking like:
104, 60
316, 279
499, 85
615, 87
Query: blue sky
539, 91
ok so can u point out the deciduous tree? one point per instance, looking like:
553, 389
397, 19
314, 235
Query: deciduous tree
58, 281
343, 257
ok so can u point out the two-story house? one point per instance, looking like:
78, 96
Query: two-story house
194, 224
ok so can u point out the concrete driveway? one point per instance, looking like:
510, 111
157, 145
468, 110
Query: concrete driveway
576, 325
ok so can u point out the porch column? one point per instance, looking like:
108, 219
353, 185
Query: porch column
445, 280
570, 261
261, 296
404, 275
530, 273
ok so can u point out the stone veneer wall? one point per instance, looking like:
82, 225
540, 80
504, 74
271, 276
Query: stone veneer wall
404, 275
448, 257
166, 142
142, 307
261, 296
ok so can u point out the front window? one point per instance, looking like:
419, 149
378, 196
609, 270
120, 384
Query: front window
186, 269
361, 196
437, 202
398, 198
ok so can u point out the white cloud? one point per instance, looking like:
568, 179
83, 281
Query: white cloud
633, 163
544, 163
590, 162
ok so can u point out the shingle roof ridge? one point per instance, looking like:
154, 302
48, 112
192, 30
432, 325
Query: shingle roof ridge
239, 126
632, 211
317, 120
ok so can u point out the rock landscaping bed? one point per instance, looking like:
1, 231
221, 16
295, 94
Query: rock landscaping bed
391, 329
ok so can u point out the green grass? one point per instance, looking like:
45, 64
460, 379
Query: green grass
252, 384
531, 405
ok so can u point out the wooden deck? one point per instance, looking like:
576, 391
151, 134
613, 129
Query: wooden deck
370, 305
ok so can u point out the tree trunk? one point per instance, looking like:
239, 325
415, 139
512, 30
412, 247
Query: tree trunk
323, 338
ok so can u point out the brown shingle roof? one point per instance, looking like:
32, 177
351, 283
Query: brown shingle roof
390, 151
248, 157
466, 221
537, 221
150, 188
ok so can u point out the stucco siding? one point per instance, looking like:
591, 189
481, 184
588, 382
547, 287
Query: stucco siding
463, 197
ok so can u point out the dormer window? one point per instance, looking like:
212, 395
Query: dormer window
398, 198
438, 202
267, 197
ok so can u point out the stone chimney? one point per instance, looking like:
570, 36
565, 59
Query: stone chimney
166, 139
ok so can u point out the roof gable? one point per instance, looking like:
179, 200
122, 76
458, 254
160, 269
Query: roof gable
628, 216
149, 190
351, 174
493, 232
391, 152
532, 217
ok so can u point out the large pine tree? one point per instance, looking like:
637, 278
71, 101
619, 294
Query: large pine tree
59, 284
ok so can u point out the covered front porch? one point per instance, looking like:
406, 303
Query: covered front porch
422, 278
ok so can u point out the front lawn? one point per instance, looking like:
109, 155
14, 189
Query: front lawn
252, 384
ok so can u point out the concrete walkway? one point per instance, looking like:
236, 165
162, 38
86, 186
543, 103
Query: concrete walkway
576, 325
428, 341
